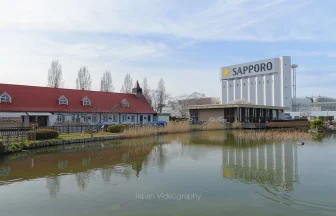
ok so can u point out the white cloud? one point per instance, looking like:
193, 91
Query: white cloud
316, 53
34, 32
218, 20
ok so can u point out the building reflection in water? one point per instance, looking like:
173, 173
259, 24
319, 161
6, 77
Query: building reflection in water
274, 163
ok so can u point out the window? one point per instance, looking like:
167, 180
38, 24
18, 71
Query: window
223, 86
60, 118
115, 118
62, 100
73, 118
237, 85
251, 83
105, 118
123, 118
124, 103
267, 81
86, 101
5, 98
94, 118
133, 118
244, 84
259, 82
149, 118
230, 86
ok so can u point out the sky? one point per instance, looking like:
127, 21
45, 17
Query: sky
184, 42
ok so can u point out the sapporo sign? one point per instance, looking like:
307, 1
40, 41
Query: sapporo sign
250, 69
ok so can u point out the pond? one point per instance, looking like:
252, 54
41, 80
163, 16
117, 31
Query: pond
201, 173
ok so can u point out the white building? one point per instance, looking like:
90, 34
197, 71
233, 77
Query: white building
42, 106
266, 82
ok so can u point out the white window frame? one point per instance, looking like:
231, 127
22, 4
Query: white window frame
123, 118
63, 100
60, 118
105, 118
94, 118
86, 101
115, 118
124, 103
7, 97
73, 117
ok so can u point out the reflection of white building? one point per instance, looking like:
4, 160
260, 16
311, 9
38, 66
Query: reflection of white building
274, 164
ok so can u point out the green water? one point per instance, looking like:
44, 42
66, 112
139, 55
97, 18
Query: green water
204, 173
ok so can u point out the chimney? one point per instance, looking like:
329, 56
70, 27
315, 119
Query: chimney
137, 90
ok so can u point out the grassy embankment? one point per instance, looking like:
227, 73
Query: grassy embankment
62, 136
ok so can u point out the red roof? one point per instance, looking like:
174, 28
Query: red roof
45, 99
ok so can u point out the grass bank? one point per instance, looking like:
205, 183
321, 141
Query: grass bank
23, 143
276, 135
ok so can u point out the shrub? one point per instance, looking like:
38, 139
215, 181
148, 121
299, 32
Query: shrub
42, 134
317, 124
116, 128
172, 118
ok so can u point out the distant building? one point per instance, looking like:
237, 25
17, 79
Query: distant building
44, 106
313, 107
179, 108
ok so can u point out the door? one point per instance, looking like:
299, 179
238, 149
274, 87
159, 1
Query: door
42, 120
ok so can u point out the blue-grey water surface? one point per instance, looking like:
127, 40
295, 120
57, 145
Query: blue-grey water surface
203, 173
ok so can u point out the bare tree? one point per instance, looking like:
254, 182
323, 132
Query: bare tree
146, 91
55, 79
106, 84
128, 84
181, 103
154, 99
161, 96
83, 80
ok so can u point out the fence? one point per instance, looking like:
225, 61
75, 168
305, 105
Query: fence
72, 128
14, 131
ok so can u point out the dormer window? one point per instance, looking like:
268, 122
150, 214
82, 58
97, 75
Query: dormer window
5, 98
86, 101
124, 103
63, 100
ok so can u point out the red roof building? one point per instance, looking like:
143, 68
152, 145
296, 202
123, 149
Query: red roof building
45, 101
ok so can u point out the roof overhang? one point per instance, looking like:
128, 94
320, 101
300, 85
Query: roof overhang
39, 114
12, 114
223, 106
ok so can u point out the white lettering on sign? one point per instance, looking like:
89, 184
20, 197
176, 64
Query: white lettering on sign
250, 69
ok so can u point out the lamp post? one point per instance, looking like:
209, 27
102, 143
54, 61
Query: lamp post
294, 66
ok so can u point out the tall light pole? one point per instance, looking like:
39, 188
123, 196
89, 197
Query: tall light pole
294, 66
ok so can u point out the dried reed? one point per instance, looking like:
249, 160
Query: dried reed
273, 135
174, 127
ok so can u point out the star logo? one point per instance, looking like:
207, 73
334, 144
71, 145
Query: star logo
226, 72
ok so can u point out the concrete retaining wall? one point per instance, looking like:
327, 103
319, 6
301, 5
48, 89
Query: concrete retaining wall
48, 143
